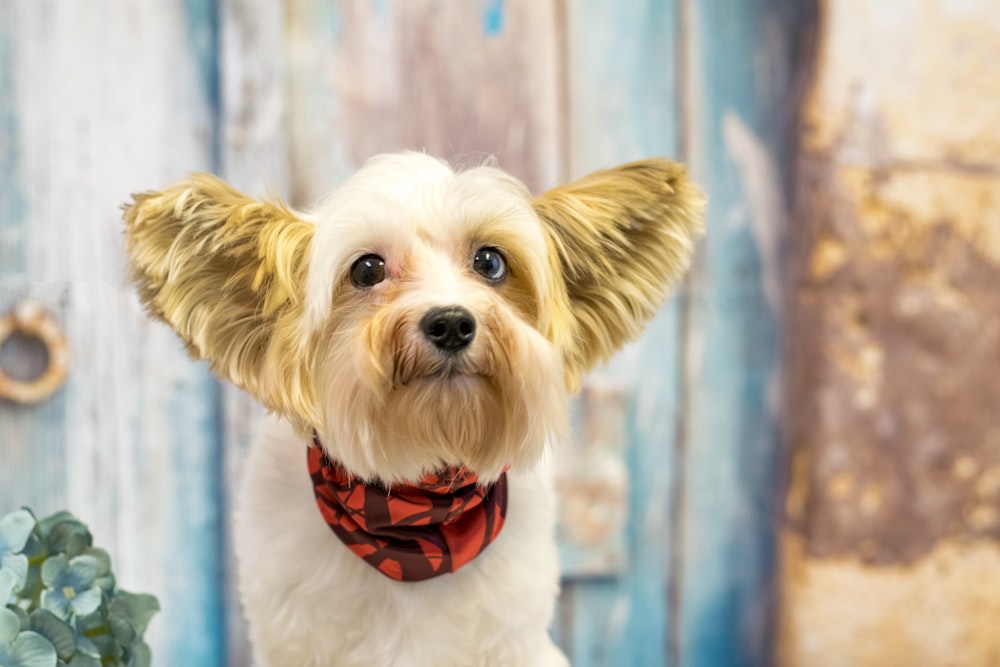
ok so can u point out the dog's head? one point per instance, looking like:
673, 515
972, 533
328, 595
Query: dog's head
418, 318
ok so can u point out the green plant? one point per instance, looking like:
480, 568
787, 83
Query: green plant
62, 605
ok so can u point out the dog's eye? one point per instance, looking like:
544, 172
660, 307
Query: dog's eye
367, 271
490, 264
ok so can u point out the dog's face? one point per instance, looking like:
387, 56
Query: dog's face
419, 318
430, 298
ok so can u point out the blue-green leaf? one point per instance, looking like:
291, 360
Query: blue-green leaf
139, 607
68, 536
140, 655
15, 528
122, 629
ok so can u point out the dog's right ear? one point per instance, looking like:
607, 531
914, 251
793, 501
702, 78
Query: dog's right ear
621, 238
227, 272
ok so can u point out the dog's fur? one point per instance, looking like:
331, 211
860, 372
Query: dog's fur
263, 292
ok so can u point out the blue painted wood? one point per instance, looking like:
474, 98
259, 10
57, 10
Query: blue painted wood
11, 198
738, 112
493, 15
98, 101
621, 106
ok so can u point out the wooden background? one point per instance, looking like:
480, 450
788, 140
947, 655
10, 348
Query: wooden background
104, 98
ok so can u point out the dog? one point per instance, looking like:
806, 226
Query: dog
416, 338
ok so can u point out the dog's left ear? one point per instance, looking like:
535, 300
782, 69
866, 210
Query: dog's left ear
620, 239
227, 272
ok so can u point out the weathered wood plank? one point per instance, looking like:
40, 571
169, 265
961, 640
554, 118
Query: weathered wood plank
737, 108
101, 100
461, 80
254, 157
621, 106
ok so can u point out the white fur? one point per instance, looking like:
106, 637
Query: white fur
312, 603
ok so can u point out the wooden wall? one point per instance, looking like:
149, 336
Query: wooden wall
101, 99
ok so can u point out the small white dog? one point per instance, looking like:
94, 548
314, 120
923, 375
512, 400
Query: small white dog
418, 337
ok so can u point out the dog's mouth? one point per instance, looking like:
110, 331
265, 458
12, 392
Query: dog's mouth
443, 375
441, 371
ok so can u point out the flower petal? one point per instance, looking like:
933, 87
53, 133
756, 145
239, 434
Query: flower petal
81, 660
15, 528
59, 633
56, 602
84, 646
85, 570
30, 649
103, 560
52, 568
10, 626
16, 564
87, 601
8, 584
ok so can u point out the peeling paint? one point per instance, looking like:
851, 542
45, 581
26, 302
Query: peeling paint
891, 555
922, 85
940, 611
493, 15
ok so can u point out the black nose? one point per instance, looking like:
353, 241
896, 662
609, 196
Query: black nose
450, 329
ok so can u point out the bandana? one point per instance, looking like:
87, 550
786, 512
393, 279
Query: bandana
412, 531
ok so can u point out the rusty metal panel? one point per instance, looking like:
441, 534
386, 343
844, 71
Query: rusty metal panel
895, 494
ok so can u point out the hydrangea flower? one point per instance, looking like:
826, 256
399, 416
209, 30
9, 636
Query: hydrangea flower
71, 586
63, 607
15, 529
23, 649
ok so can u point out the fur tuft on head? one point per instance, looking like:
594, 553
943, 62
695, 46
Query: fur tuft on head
621, 239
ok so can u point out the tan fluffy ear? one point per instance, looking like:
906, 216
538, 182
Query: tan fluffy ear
621, 238
227, 272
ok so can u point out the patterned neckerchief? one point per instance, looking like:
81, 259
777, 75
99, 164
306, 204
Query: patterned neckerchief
414, 531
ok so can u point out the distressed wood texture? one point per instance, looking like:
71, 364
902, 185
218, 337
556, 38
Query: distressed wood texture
895, 495
621, 102
288, 98
737, 110
98, 100
253, 151
463, 81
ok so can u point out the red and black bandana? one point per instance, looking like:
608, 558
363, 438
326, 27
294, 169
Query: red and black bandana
409, 532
